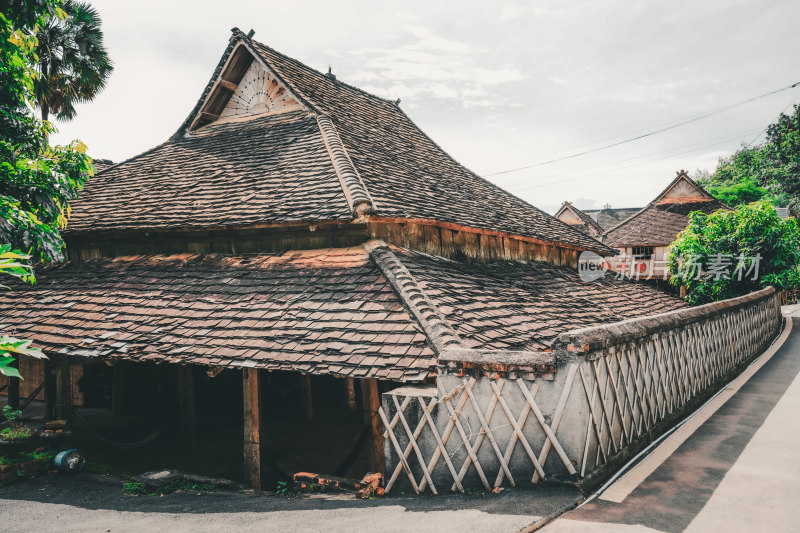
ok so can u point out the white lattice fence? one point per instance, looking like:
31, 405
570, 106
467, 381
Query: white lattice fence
606, 395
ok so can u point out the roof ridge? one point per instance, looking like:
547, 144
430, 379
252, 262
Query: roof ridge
436, 327
337, 81
354, 188
493, 185
682, 174
235, 35
587, 219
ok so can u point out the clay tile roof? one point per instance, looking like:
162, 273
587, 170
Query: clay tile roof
385, 313
660, 221
343, 146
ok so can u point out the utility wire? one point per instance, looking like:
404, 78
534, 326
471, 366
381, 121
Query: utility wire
771, 123
614, 169
694, 146
647, 134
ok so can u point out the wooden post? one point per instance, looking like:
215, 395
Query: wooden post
371, 401
252, 428
186, 407
118, 388
350, 393
13, 388
306, 397
63, 389
49, 390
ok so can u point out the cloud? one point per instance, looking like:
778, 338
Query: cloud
430, 66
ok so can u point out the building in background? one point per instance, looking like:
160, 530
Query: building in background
642, 239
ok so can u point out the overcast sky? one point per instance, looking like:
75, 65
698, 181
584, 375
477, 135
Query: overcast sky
497, 85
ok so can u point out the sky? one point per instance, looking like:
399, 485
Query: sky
498, 85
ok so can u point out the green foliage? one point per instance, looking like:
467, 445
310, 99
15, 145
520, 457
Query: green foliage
282, 488
770, 171
37, 181
750, 237
137, 488
17, 430
73, 63
134, 488
743, 192
11, 347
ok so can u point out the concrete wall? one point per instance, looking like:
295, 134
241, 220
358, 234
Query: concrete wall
615, 389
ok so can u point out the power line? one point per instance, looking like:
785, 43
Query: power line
647, 134
573, 178
694, 145
768, 125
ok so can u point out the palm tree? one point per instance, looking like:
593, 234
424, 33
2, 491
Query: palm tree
73, 63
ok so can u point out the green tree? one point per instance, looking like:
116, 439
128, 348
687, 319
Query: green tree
781, 155
770, 171
729, 253
73, 64
37, 181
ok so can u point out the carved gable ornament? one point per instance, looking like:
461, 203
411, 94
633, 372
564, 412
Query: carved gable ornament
244, 88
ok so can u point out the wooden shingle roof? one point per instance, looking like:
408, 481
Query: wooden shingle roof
366, 311
659, 223
338, 152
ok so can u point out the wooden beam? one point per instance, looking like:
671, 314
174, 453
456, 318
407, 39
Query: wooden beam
211, 117
63, 388
225, 84
252, 428
186, 407
306, 397
370, 403
350, 393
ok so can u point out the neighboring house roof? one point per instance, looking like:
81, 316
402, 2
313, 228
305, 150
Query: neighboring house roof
366, 311
324, 150
578, 219
608, 217
102, 164
661, 220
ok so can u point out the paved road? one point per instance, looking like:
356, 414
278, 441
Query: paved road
738, 471
91, 502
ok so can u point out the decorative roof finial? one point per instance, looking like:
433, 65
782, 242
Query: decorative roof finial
397, 102
330, 74
251, 33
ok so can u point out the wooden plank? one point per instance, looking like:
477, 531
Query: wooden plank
252, 428
306, 397
371, 402
433, 243
186, 407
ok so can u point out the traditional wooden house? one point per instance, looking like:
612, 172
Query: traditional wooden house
297, 234
642, 239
